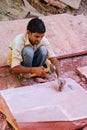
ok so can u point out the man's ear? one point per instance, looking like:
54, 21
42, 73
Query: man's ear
28, 32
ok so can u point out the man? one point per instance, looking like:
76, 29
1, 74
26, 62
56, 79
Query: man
30, 50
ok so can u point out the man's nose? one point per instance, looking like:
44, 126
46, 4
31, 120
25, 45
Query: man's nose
39, 39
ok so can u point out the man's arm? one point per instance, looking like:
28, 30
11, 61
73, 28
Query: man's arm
39, 71
55, 62
61, 81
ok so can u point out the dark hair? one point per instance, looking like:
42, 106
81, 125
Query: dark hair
36, 25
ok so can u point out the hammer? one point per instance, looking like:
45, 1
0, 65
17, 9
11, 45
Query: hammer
46, 70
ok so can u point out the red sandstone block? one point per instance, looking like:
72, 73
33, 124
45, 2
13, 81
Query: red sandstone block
82, 71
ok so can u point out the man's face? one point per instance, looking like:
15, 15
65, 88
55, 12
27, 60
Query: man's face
35, 38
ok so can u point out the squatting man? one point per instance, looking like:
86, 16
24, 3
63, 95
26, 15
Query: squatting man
29, 50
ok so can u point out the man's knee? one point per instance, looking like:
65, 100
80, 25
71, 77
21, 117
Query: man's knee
27, 51
43, 50
27, 55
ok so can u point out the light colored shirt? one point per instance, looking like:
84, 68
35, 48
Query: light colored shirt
21, 40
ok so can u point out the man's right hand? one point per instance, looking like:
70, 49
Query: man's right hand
38, 71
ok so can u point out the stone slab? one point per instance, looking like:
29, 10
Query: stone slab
43, 103
72, 3
67, 34
82, 71
34, 101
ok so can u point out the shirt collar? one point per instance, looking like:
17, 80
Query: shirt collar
26, 40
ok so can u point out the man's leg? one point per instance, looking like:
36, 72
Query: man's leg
40, 56
27, 55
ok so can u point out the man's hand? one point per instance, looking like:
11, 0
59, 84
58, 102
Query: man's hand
61, 83
39, 71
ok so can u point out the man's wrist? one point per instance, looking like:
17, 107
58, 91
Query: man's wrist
30, 70
57, 72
